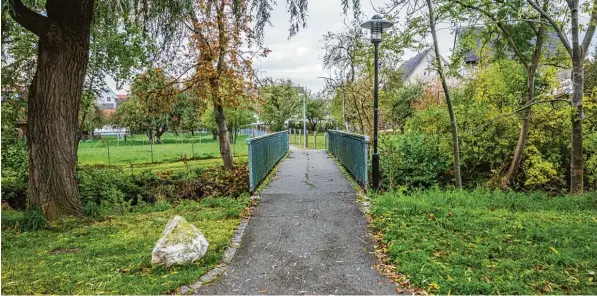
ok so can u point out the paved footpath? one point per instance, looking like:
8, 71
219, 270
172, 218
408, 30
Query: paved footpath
306, 236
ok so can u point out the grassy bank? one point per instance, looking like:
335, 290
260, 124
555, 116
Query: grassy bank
112, 255
491, 242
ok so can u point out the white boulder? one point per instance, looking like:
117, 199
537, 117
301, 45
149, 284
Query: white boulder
181, 242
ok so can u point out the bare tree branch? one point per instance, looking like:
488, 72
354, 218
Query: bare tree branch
518, 110
590, 29
554, 25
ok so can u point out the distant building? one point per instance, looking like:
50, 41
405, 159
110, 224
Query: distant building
420, 67
107, 100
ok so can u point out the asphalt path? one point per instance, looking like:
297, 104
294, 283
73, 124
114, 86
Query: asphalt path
307, 235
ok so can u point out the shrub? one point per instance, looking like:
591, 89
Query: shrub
14, 193
106, 188
220, 182
411, 160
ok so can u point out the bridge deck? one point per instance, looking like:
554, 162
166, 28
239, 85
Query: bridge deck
306, 236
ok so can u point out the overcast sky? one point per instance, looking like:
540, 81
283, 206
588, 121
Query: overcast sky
300, 57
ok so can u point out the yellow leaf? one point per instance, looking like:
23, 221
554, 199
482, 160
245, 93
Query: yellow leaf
554, 250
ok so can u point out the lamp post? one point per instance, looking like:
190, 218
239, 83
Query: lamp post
305, 120
376, 25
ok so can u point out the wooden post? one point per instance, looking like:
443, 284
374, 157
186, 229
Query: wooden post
314, 139
108, 152
151, 150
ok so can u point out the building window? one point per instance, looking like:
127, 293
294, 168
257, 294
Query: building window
108, 99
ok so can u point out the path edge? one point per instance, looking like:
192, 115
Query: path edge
221, 267
193, 289
383, 264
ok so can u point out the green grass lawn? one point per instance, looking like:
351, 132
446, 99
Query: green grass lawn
137, 150
294, 140
491, 242
113, 255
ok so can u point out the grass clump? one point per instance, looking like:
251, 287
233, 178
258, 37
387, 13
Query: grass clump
486, 242
30, 219
112, 255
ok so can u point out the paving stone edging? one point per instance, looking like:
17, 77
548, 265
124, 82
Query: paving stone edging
228, 255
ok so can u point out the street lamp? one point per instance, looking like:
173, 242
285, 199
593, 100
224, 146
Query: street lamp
376, 25
305, 120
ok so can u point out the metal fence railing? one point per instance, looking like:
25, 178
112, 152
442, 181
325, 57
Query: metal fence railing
264, 153
352, 151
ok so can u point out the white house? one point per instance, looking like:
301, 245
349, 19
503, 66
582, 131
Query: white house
107, 100
420, 67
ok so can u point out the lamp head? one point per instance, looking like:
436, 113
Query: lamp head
376, 25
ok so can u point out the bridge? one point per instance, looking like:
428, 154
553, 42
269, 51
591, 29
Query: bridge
307, 235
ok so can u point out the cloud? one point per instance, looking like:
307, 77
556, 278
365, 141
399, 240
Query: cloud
300, 58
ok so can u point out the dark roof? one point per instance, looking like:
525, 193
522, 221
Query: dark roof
409, 66
470, 56
550, 43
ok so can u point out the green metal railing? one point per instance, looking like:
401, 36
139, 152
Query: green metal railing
264, 153
352, 151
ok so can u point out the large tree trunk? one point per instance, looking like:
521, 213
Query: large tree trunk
223, 136
456, 148
526, 116
54, 102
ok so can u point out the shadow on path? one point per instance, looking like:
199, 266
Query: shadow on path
306, 236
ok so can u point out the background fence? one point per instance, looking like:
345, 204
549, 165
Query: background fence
264, 153
253, 132
352, 151
137, 150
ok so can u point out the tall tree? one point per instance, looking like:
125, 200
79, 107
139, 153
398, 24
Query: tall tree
223, 72
54, 99
442, 77
526, 50
344, 54
349, 59
421, 20
577, 52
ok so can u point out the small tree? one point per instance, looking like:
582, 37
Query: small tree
315, 112
280, 102
151, 105
239, 118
